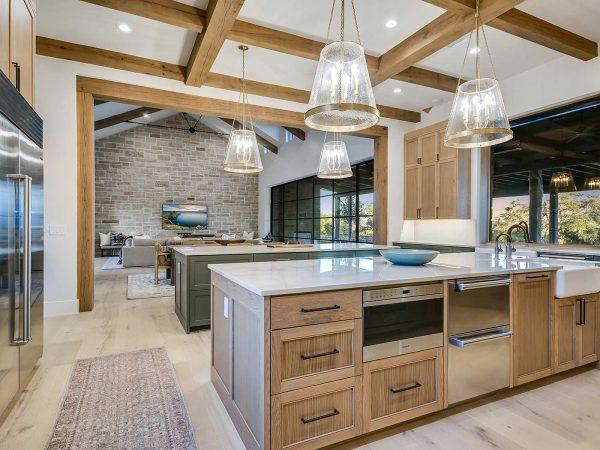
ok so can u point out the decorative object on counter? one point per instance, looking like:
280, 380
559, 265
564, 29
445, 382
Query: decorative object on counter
229, 241
593, 183
478, 117
288, 245
268, 238
141, 385
242, 151
334, 163
341, 98
562, 182
409, 257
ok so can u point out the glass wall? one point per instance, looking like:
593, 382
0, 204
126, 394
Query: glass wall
314, 209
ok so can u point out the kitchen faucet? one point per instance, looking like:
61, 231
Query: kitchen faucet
508, 246
522, 225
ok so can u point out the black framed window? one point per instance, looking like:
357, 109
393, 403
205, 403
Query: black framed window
314, 209
525, 173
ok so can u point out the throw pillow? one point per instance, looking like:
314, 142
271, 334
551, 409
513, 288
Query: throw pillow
104, 239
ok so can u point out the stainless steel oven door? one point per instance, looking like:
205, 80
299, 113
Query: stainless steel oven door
397, 326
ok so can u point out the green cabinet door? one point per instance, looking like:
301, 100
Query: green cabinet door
200, 273
340, 254
199, 308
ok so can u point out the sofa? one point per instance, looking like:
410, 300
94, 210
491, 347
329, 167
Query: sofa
138, 252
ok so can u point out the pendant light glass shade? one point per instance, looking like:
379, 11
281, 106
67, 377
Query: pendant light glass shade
593, 183
562, 182
334, 162
341, 98
242, 153
242, 150
478, 117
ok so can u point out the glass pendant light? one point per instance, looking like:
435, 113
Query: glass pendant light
341, 98
562, 182
334, 163
593, 183
478, 117
242, 150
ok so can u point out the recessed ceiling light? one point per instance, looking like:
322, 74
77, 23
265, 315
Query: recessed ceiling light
397, 90
124, 28
474, 50
146, 115
391, 23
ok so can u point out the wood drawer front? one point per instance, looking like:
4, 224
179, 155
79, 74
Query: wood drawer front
310, 309
315, 354
402, 388
317, 416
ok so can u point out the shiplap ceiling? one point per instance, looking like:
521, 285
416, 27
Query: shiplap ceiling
88, 24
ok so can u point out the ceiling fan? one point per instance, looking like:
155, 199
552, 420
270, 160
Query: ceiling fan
192, 128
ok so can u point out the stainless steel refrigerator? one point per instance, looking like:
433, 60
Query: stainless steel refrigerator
21, 243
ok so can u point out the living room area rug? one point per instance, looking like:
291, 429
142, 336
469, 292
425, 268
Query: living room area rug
142, 286
123, 401
112, 263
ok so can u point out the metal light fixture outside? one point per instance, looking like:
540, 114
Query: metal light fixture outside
478, 117
341, 99
242, 150
593, 183
334, 163
562, 182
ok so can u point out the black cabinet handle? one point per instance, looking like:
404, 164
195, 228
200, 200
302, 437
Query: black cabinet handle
408, 388
535, 277
335, 412
583, 300
324, 308
335, 351
580, 304
18, 74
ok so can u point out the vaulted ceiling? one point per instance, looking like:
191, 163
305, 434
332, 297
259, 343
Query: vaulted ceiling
426, 46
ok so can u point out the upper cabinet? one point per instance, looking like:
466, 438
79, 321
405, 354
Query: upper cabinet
17, 44
437, 179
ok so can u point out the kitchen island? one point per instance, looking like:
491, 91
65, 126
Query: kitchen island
289, 352
191, 275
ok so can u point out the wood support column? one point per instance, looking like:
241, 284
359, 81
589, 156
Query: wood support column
536, 197
85, 201
380, 183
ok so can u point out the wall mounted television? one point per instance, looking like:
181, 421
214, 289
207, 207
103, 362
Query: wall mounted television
177, 216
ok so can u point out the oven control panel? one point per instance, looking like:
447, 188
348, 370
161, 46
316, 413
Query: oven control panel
375, 295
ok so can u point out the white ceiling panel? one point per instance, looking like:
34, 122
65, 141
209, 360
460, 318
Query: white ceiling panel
413, 97
309, 18
579, 16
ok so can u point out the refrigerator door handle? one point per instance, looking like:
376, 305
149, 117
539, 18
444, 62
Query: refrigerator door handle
25, 270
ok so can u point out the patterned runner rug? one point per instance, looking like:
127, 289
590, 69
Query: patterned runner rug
123, 401
112, 263
142, 286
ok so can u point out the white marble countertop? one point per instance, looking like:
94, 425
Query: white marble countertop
558, 249
208, 250
292, 277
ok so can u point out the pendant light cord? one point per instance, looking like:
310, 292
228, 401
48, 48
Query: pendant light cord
356, 24
244, 99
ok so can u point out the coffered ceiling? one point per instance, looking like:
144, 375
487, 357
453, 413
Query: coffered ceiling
89, 24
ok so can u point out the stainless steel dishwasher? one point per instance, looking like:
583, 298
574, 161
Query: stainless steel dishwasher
479, 337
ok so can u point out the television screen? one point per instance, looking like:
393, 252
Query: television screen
184, 217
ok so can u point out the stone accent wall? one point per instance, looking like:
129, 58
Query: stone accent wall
140, 169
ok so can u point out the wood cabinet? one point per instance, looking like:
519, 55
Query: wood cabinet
17, 44
531, 311
576, 331
437, 179
402, 388
317, 416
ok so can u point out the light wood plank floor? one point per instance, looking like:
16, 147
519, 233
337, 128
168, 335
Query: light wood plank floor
563, 414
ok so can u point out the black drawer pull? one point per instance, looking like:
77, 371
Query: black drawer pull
324, 308
534, 277
335, 412
414, 386
335, 351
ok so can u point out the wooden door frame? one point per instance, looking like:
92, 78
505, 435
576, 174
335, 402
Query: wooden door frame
91, 89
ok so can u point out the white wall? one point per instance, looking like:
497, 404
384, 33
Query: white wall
560, 81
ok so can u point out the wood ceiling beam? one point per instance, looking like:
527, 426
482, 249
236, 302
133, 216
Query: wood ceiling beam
115, 60
220, 17
195, 104
191, 18
300, 134
531, 28
439, 33
259, 139
123, 117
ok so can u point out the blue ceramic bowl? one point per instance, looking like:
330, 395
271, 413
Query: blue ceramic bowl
409, 257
